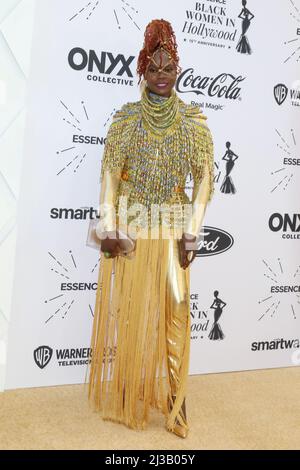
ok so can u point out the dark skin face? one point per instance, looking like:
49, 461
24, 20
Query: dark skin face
161, 70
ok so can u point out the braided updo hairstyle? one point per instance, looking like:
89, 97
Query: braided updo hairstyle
158, 33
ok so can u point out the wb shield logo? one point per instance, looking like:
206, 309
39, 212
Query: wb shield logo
42, 356
280, 93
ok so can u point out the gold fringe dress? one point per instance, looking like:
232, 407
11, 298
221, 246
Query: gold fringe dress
141, 330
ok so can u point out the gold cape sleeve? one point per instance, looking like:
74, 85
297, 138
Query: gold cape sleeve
202, 168
111, 170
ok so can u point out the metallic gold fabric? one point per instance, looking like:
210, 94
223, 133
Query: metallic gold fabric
108, 195
200, 199
141, 335
141, 331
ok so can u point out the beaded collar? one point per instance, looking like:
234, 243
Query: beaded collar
160, 113
157, 98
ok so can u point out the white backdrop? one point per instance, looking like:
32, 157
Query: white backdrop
83, 69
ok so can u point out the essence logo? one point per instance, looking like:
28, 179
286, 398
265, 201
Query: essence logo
283, 291
76, 152
106, 63
289, 167
42, 356
72, 293
280, 93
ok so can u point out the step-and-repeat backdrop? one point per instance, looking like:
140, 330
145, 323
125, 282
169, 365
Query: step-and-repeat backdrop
240, 62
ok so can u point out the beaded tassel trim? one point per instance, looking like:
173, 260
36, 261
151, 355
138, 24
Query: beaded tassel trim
154, 167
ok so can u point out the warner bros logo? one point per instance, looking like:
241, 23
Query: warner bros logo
42, 356
280, 93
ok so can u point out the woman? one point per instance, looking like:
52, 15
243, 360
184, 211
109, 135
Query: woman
243, 45
227, 185
141, 331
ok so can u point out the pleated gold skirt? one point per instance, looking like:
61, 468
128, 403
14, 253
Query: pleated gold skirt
141, 335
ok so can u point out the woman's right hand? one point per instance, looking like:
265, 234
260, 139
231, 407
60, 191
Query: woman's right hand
109, 243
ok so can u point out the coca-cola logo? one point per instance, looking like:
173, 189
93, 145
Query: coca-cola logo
280, 93
224, 85
214, 241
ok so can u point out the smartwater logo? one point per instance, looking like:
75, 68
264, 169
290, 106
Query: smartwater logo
275, 344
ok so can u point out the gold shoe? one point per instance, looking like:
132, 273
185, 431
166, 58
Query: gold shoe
179, 430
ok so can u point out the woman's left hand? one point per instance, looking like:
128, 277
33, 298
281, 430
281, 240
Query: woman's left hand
187, 249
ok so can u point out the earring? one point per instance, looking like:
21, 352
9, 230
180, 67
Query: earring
143, 85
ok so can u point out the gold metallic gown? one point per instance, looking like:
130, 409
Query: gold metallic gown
141, 330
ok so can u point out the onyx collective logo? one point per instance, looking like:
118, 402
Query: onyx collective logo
283, 291
288, 225
102, 66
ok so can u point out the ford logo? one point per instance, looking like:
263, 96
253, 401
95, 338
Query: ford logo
213, 241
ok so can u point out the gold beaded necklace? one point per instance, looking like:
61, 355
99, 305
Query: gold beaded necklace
162, 115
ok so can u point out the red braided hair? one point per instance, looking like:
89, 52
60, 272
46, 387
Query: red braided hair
158, 33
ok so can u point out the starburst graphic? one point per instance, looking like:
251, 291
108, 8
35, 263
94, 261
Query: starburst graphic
287, 149
279, 278
89, 9
295, 42
66, 271
80, 125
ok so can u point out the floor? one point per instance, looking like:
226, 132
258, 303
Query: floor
238, 410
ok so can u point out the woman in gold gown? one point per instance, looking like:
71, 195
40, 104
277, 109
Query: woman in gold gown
141, 331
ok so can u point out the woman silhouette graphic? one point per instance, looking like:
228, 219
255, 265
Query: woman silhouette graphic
243, 45
216, 331
227, 185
